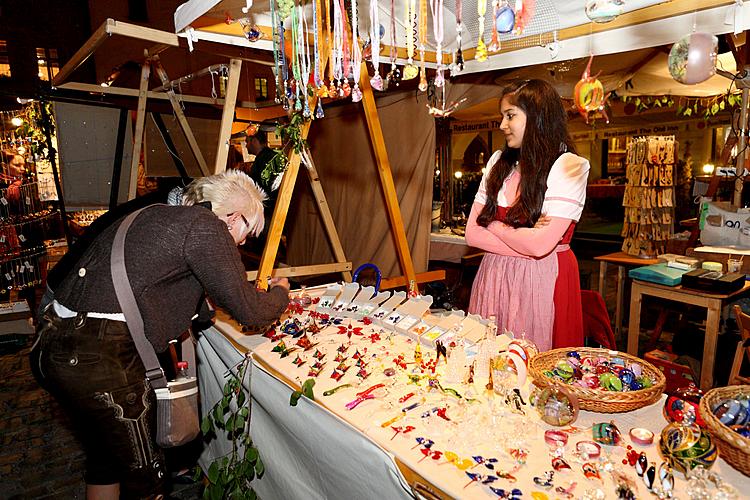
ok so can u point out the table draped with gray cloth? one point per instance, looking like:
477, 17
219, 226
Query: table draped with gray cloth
308, 452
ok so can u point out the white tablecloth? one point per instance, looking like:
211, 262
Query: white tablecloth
321, 450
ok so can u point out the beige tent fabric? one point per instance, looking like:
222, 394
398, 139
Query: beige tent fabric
345, 161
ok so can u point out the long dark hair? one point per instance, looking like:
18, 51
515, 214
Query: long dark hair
545, 138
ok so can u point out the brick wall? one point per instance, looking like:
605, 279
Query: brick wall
39, 456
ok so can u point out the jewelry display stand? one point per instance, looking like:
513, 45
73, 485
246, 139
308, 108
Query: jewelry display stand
24, 225
649, 195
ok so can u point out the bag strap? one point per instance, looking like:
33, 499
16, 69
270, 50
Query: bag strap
126, 298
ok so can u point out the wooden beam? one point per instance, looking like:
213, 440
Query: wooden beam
181, 119
386, 176
227, 116
399, 281
98, 89
108, 28
140, 121
88, 48
325, 214
312, 270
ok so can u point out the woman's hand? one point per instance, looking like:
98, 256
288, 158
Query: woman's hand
543, 221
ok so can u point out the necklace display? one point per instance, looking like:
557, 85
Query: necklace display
481, 51
422, 44
356, 54
410, 70
458, 59
376, 81
394, 75
436, 6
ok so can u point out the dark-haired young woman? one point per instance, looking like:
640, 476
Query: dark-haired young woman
523, 216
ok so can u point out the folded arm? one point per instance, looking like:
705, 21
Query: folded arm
480, 237
531, 241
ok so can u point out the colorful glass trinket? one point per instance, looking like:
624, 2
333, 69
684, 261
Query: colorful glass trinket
480, 478
649, 477
607, 433
424, 442
545, 481
559, 464
514, 494
298, 361
590, 471
336, 375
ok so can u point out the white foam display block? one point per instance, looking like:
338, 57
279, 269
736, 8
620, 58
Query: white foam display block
346, 296
370, 306
352, 310
420, 328
387, 307
432, 334
473, 328
329, 298
406, 324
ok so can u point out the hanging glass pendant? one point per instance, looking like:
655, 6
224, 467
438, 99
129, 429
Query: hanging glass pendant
356, 93
481, 51
377, 82
505, 19
410, 72
319, 110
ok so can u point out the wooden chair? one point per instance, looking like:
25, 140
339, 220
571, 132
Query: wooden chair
743, 348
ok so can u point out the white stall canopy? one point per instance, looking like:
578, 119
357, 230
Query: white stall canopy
558, 31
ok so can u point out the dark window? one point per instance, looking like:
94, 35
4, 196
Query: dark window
4, 61
261, 89
48, 63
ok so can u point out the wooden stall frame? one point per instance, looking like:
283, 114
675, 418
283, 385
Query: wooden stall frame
164, 40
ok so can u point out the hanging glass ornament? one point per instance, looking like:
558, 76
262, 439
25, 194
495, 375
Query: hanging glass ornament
588, 94
319, 110
480, 53
505, 18
410, 70
692, 58
524, 12
495, 43
604, 11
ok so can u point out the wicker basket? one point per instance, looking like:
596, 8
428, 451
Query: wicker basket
600, 400
733, 448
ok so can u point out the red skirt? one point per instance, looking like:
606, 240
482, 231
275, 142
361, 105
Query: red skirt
568, 328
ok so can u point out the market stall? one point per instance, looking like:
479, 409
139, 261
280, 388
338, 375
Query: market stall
382, 420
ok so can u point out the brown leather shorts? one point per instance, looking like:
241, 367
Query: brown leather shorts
93, 370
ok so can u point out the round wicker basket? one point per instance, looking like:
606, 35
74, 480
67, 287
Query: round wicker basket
733, 448
600, 400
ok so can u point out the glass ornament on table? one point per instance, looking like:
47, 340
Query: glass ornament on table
487, 350
455, 369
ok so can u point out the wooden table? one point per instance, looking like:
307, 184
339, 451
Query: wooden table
622, 260
713, 302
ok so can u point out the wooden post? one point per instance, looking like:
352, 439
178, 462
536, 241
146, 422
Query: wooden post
386, 178
140, 120
227, 115
181, 119
279, 214
325, 214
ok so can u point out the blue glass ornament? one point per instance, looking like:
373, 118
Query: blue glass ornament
505, 19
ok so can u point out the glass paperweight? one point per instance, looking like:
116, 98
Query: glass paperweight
556, 406
685, 447
678, 401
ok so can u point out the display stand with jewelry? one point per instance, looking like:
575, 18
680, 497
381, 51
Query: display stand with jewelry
649, 195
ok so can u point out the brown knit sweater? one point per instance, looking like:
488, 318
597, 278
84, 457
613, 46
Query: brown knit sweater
172, 254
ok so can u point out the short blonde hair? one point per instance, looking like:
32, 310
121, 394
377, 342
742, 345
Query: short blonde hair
229, 192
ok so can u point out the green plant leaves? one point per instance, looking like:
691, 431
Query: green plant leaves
231, 476
307, 391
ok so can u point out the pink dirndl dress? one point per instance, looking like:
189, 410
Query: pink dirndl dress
539, 299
